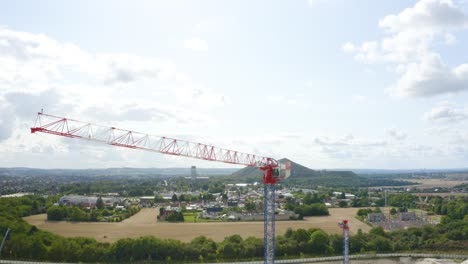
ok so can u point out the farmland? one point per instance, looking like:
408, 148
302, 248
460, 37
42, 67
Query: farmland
145, 223
436, 183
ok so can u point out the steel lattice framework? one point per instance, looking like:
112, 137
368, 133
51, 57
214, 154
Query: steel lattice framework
344, 225
66, 127
71, 128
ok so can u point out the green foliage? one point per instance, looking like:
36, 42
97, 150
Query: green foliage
99, 203
405, 200
30, 243
158, 198
363, 212
343, 204
175, 217
319, 242
76, 214
377, 231
312, 198
250, 206
56, 213
314, 209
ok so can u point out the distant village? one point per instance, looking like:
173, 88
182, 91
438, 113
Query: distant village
238, 202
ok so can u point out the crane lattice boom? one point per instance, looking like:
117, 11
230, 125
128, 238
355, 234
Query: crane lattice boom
71, 128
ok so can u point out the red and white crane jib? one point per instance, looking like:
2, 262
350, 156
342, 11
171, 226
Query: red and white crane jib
274, 171
71, 128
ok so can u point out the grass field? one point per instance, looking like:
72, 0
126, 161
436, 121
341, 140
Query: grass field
192, 218
145, 223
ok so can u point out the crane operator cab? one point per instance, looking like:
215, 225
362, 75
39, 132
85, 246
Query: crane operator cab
283, 171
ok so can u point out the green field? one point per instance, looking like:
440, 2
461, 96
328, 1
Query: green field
192, 217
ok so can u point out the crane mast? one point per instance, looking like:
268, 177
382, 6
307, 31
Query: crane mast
273, 170
344, 225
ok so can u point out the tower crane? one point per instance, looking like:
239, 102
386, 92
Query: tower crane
274, 171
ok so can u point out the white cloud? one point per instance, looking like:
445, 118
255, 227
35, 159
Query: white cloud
396, 134
361, 99
127, 68
131, 112
450, 39
348, 140
28, 58
446, 112
126, 90
315, 2
426, 15
349, 47
6, 121
209, 25
431, 77
196, 44
350, 148
409, 44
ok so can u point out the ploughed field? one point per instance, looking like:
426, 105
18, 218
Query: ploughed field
145, 223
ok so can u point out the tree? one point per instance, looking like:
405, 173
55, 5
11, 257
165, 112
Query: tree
201, 246
99, 203
380, 244
106, 212
378, 231
94, 216
158, 198
175, 217
250, 206
56, 213
319, 242
343, 204
336, 243
182, 198
174, 197
393, 211
232, 247
78, 215
363, 212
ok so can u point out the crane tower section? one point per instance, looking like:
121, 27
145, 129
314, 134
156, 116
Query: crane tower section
344, 225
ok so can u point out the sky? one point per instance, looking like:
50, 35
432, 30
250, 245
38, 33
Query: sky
325, 83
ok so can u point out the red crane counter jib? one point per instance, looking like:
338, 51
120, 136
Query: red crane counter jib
71, 128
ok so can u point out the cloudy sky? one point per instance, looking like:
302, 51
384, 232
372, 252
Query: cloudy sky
326, 83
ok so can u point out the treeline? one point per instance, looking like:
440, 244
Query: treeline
75, 213
343, 179
29, 243
312, 205
142, 187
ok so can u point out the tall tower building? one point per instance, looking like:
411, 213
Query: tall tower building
193, 172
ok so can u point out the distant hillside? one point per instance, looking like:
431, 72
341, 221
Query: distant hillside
297, 171
301, 175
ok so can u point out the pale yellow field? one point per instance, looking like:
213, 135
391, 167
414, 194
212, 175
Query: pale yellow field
425, 183
144, 224
435, 183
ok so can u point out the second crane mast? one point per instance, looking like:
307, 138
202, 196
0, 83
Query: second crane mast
273, 170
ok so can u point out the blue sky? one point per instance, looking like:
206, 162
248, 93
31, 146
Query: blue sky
328, 84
